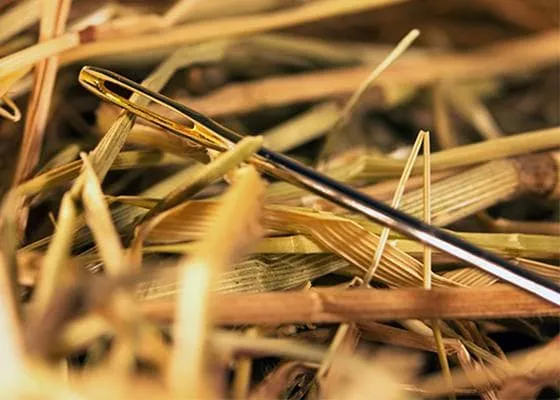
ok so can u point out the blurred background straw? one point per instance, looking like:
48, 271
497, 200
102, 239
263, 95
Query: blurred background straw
135, 264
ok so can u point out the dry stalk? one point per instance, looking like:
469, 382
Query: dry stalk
502, 59
377, 332
53, 23
48, 48
51, 178
243, 369
475, 112
192, 33
11, 343
18, 18
395, 203
207, 174
238, 217
427, 259
339, 235
497, 301
444, 132
492, 182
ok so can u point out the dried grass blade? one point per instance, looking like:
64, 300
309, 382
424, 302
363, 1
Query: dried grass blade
355, 368
11, 343
60, 175
475, 112
269, 273
16, 44
99, 220
198, 180
189, 221
395, 203
205, 31
232, 343
323, 52
58, 252
263, 274
377, 332
427, 214
545, 373
548, 270
178, 11
207, 174
471, 277
400, 48
133, 23
350, 241
25, 58
122, 216
204, 10
351, 104
238, 217
427, 260
242, 379
7, 82
465, 193
131, 330
337, 234
509, 146
136, 201
18, 18
504, 225
96, 17
64, 156
386, 376
445, 135
505, 58
359, 167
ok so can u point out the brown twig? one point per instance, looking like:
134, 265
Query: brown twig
53, 24
314, 306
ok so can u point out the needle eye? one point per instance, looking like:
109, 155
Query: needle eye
135, 98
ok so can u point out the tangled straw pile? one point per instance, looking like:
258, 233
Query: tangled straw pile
135, 264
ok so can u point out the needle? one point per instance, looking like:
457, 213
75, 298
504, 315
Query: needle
206, 132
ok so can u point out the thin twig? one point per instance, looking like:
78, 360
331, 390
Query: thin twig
314, 306
350, 105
